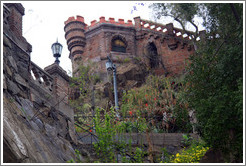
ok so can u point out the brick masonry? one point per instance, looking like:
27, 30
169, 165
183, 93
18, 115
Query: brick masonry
92, 43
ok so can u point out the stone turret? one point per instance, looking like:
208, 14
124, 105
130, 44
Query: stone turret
74, 34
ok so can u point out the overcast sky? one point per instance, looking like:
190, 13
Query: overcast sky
43, 23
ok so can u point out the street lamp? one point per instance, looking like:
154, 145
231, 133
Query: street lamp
57, 50
110, 66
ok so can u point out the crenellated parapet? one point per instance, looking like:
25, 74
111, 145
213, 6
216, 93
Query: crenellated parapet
120, 22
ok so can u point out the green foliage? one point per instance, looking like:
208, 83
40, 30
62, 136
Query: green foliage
216, 94
187, 140
78, 158
108, 146
165, 156
128, 125
185, 12
139, 154
106, 133
156, 106
126, 60
81, 86
137, 59
214, 82
82, 90
192, 154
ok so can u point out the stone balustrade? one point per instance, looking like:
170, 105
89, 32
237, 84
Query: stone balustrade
166, 29
41, 77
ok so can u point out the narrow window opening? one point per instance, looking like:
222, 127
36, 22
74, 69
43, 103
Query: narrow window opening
153, 55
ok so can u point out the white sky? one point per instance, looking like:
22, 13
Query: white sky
43, 23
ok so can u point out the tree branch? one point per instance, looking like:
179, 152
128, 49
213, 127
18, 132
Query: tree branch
235, 12
183, 27
195, 27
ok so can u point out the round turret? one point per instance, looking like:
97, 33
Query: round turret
74, 34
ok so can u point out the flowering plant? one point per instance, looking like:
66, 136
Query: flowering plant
155, 102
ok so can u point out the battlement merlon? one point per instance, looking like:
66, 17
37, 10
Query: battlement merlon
111, 20
72, 19
72, 23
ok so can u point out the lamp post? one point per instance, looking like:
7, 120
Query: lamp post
110, 66
57, 50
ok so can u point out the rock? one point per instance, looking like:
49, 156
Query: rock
12, 87
8, 70
34, 126
6, 42
72, 132
11, 63
20, 80
36, 144
50, 130
36, 99
4, 82
23, 70
39, 123
27, 107
130, 76
13, 139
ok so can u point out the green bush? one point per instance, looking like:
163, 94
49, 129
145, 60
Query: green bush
192, 154
158, 103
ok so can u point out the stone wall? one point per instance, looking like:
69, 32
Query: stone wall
172, 142
173, 49
36, 127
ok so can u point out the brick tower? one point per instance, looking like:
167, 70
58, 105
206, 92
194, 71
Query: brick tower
74, 34
164, 49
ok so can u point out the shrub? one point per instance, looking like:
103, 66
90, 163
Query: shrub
156, 103
193, 154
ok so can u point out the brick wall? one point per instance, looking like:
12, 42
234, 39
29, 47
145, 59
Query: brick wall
15, 18
173, 48
173, 60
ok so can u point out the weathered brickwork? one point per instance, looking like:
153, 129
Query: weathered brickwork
163, 48
60, 82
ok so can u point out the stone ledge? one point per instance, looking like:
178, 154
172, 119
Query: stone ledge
56, 69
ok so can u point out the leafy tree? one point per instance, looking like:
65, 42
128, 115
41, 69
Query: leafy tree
83, 93
215, 74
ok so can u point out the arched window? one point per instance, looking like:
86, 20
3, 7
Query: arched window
118, 45
152, 55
